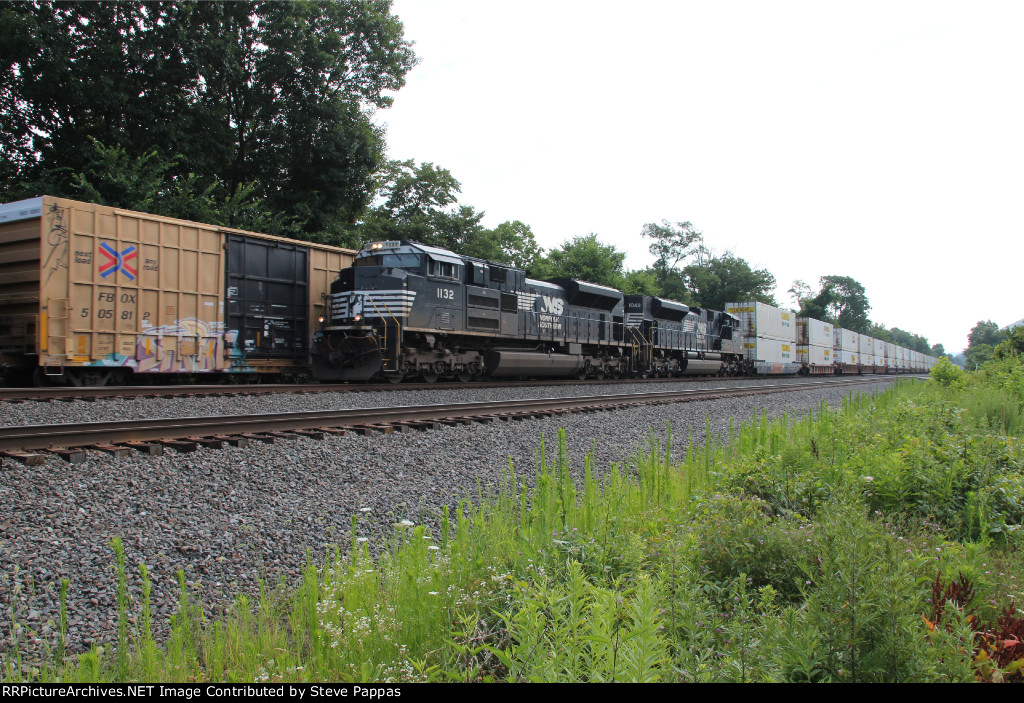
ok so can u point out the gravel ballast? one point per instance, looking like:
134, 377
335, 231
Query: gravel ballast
229, 517
111, 409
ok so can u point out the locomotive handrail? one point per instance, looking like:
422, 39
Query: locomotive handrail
398, 342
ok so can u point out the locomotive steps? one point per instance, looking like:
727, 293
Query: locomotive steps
151, 436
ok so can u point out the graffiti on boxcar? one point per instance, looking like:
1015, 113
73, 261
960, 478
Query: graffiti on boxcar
57, 239
183, 346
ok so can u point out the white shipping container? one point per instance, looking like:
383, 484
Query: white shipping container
764, 321
814, 355
846, 357
814, 332
879, 351
890, 352
867, 345
770, 351
846, 340
867, 359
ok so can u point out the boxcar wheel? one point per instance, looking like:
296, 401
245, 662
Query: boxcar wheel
430, 377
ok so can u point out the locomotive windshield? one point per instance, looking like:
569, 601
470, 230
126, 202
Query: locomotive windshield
398, 261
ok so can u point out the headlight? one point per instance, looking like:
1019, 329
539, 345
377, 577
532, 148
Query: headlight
320, 319
357, 318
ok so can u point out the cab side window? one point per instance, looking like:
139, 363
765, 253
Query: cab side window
443, 269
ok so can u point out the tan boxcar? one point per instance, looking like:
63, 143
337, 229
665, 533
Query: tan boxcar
89, 292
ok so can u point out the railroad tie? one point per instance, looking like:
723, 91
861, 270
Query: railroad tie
111, 449
146, 448
421, 425
371, 429
183, 446
266, 439
72, 456
208, 442
26, 458
234, 441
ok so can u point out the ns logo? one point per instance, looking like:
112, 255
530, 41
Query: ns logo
553, 306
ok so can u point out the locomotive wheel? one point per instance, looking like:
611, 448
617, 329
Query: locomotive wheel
395, 377
464, 376
599, 374
430, 377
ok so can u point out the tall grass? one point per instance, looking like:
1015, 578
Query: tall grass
769, 556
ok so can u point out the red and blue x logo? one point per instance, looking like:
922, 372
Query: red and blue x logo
118, 262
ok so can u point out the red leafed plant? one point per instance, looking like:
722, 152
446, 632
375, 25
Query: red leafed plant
999, 645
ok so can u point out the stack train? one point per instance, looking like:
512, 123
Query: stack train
91, 295
407, 310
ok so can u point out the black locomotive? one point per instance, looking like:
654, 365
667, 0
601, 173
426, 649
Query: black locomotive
407, 310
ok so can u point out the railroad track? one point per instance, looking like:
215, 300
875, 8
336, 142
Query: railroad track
71, 440
89, 393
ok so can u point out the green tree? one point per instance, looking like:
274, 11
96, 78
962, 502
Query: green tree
1012, 345
672, 245
985, 332
584, 258
982, 341
878, 331
421, 205
910, 340
801, 293
841, 300
728, 278
112, 177
642, 282
264, 98
516, 245
978, 354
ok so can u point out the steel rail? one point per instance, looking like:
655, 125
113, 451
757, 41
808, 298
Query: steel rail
66, 435
93, 392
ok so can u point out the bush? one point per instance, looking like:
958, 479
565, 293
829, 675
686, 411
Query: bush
739, 536
946, 372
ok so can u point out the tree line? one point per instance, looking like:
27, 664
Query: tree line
260, 115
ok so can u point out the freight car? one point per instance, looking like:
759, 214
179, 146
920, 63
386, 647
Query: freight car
406, 310
769, 339
91, 294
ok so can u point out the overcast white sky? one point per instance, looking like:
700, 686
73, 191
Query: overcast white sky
878, 140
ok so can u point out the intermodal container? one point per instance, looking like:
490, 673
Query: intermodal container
814, 332
769, 351
758, 320
846, 340
879, 349
814, 355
